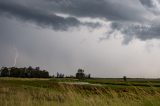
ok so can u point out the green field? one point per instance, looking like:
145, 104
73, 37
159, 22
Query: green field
74, 92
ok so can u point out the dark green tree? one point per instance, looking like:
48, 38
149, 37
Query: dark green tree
80, 74
124, 78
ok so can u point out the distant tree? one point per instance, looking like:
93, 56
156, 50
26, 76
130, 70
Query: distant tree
30, 68
58, 75
4, 72
89, 75
53, 76
80, 70
37, 68
61, 75
124, 78
80, 74
45, 74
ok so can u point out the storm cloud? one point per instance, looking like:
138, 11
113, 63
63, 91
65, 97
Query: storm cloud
42, 18
136, 18
104, 9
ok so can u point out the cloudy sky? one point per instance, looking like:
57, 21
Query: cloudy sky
107, 38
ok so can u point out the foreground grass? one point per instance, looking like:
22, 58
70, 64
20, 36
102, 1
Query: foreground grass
45, 92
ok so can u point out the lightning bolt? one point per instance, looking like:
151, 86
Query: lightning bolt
16, 56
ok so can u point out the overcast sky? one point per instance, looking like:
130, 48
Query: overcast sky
107, 38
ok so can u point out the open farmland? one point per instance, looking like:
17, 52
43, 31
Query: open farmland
73, 92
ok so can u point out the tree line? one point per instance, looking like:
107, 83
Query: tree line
24, 72
37, 73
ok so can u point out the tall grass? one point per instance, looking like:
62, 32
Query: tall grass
71, 95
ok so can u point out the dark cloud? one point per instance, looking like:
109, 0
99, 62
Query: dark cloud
140, 31
134, 19
148, 3
152, 5
104, 9
42, 18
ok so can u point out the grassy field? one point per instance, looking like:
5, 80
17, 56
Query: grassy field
73, 92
